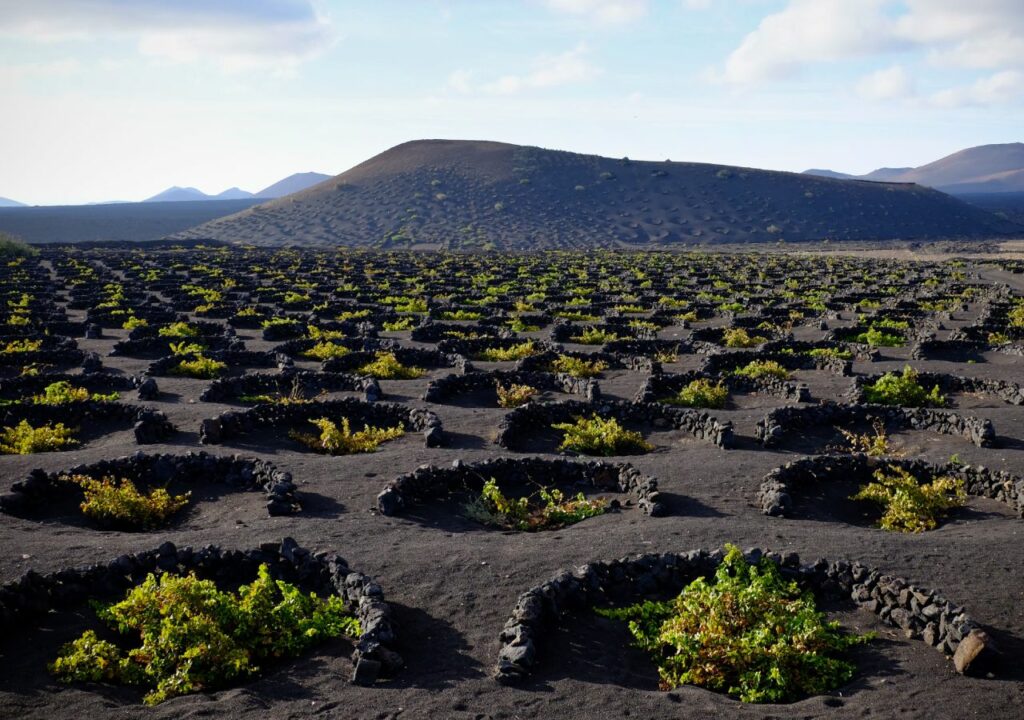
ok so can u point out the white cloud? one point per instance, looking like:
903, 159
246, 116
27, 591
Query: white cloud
995, 89
972, 34
892, 83
608, 12
236, 34
548, 71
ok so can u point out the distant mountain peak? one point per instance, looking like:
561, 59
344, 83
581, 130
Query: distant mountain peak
7, 202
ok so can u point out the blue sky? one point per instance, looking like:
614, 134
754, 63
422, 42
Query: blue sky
119, 99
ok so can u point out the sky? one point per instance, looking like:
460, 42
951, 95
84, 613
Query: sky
119, 99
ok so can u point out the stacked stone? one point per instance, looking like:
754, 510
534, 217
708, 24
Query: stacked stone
33, 596
527, 418
442, 389
1008, 392
149, 425
775, 495
307, 382
921, 613
416, 357
233, 423
429, 481
779, 421
40, 487
659, 387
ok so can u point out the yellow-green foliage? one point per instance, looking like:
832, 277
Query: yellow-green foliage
598, 436
461, 315
549, 508
342, 441
193, 637
1016, 316
875, 444
701, 393
387, 367
748, 632
911, 506
117, 502
21, 346
763, 368
63, 392
134, 322
515, 352
595, 336
740, 338
578, 367
518, 325
186, 348
179, 330
903, 389
515, 395
405, 323
23, 439
878, 338
315, 333
199, 367
324, 350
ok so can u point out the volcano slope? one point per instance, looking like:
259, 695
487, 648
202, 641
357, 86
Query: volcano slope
452, 582
467, 194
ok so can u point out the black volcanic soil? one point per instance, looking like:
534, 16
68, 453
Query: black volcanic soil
453, 589
466, 194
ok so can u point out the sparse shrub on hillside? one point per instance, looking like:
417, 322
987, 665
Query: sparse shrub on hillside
595, 336
740, 338
515, 352
200, 367
63, 392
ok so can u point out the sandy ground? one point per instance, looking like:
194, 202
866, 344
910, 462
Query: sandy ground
454, 583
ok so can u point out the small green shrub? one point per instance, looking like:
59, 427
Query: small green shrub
515, 352
63, 392
23, 439
763, 368
911, 506
324, 350
21, 346
194, 637
878, 338
549, 508
335, 440
740, 338
134, 322
518, 325
830, 353
515, 395
387, 367
200, 367
903, 389
115, 502
748, 632
405, 323
874, 444
179, 330
597, 436
595, 336
186, 348
701, 393
578, 367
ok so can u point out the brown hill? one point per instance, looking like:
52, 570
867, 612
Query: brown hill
466, 194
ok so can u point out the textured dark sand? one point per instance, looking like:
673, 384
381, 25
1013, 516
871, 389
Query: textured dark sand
453, 583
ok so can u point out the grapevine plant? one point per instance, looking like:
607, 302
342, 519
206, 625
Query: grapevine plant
747, 632
193, 637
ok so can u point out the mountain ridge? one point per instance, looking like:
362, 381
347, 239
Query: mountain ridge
484, 194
